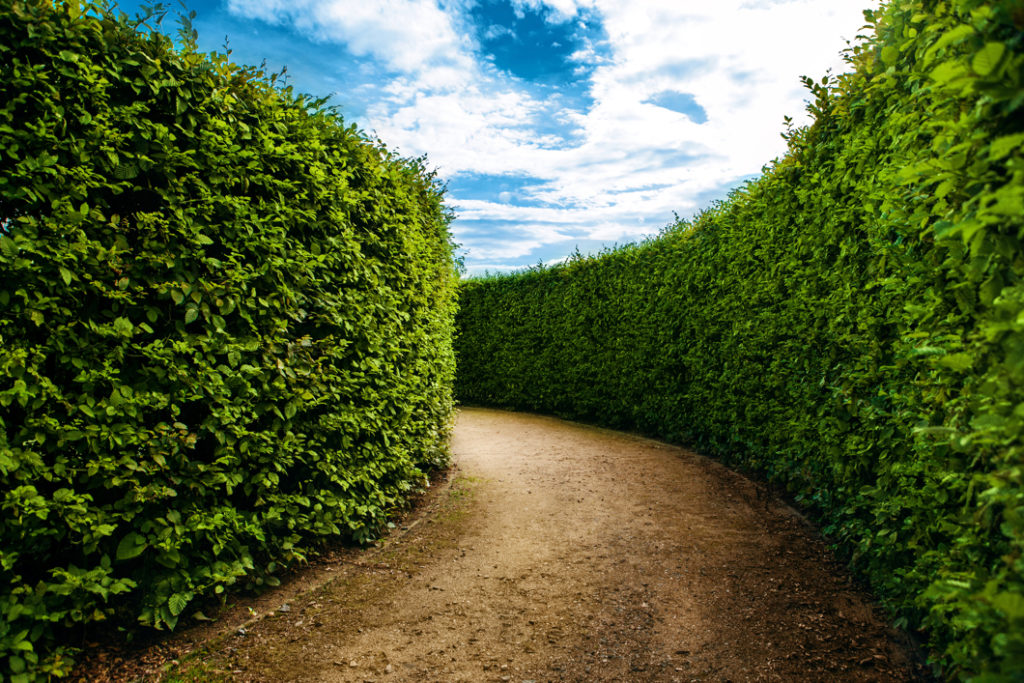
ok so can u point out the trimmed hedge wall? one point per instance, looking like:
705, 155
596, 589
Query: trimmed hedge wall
850, 326
225, 328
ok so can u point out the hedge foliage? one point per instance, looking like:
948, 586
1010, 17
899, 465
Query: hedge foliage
850, 325
225, 327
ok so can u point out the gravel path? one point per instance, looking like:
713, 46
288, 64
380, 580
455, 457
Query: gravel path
560, 552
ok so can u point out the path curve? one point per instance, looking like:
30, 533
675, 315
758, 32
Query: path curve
563, 552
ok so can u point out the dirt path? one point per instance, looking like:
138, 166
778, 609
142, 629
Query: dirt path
569, 553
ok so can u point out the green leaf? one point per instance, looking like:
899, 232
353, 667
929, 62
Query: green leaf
178, 602
960, 362
987, 59
1010, 604
890, 55
947, 71
953, 35
66, 275
191, 314
1002, 146
130, 546
21, 645
169, 558
123, 326
126, 170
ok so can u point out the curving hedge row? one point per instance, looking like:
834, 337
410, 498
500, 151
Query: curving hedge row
225, 328
850, 326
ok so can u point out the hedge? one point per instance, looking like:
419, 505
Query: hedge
225, 328
849, 325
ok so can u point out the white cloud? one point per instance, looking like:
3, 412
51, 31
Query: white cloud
747, 60
528, 236
623, 165
559, 10
407, 35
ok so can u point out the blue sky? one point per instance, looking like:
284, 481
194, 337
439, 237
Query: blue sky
556, 124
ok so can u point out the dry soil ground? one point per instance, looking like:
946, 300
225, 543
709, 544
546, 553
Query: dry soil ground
560, 552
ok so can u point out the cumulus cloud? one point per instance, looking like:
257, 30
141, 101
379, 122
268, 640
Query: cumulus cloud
683, 98
406, 35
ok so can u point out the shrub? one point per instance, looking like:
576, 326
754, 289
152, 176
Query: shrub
225, 327
850, 325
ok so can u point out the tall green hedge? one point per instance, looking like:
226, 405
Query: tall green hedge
850, 326
225, 328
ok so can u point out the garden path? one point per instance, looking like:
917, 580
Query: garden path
554, 551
